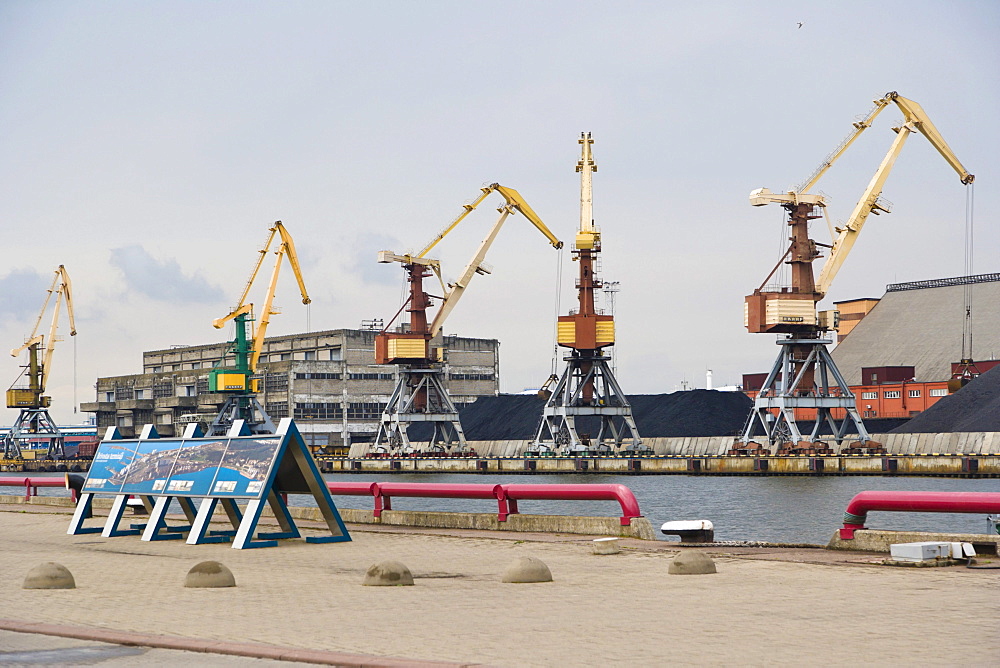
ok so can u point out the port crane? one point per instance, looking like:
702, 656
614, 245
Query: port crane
34, 419
417, 348
804, 375
237, 381
588, 387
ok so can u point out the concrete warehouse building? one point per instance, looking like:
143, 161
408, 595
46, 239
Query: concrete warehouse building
327, 381
920, 324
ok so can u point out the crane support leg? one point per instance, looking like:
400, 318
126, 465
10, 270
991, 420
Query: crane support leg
34, 423
587, 389
242, 407
804, 377
420, 397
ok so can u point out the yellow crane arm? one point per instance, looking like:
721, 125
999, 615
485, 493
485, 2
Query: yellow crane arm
287, 247
514, 203
868, 203
915, 114
62, 288
859, 127
916, 120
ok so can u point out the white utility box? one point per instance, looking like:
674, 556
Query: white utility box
925, 551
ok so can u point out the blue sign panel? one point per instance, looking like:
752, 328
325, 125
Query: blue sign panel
110, 465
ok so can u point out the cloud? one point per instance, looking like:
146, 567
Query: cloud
366, 247
162, 280
22, 292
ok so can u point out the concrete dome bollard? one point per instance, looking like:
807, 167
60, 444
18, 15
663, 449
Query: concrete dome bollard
527, 569
49, 575
388, 574
692, 563
606, 546
209, 574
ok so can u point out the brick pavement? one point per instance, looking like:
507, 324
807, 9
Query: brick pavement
619, 610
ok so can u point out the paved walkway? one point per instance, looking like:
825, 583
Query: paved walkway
765, 606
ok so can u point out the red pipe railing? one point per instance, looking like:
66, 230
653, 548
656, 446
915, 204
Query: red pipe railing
915, 502
31, 485
506, 496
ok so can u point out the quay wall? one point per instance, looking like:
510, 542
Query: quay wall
952, 465
969, 443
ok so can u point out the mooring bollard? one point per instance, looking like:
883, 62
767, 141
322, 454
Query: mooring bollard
690, 531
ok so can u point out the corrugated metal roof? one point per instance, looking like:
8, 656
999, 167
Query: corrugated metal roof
922, 327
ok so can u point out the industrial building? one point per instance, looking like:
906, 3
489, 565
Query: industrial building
328, 381
920, 324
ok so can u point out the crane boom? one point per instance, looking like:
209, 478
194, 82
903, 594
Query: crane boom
917, 120
285, 248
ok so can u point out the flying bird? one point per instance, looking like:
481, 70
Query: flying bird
800, 24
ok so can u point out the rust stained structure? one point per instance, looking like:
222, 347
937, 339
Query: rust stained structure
587, 388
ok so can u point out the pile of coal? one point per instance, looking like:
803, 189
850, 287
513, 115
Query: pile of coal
975, 407
692, 413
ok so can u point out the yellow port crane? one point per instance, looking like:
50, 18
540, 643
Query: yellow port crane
419, 395
34, 419
237, 380
804, 375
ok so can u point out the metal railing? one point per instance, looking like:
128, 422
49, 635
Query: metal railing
915, 502
506, 496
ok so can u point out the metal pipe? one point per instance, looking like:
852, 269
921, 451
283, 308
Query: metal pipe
620, 493
506, 495
31, 485
916, 502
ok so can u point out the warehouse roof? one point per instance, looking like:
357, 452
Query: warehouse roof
920, 324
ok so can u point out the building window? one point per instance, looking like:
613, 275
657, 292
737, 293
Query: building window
277, 409
471, 376
317, 376
365, 411
891, 394
276, 382
109, 396
285, 356
318, 411
186, 391
869, 395
157, 369
309, 355
123, 393
939, 392
914, 394
336, 355
195, 365
162, 390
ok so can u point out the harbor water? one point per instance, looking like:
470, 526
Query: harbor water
787, 509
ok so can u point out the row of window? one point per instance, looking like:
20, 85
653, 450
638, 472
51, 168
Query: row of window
471, 376
317, 376
331, 354
335, 411
913, 394
371, 376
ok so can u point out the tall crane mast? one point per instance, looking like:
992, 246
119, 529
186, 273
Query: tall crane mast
419, 395
237, 381
34, 419
804, 375
587, 388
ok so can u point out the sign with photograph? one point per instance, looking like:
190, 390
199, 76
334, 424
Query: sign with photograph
258, 469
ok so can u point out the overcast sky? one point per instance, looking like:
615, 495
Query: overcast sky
149, 145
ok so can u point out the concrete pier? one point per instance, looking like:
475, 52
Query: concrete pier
304, 602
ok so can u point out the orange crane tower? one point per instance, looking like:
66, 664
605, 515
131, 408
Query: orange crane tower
417, 348
804, 374
587, 388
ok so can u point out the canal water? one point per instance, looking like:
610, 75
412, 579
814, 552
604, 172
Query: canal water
788, 509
